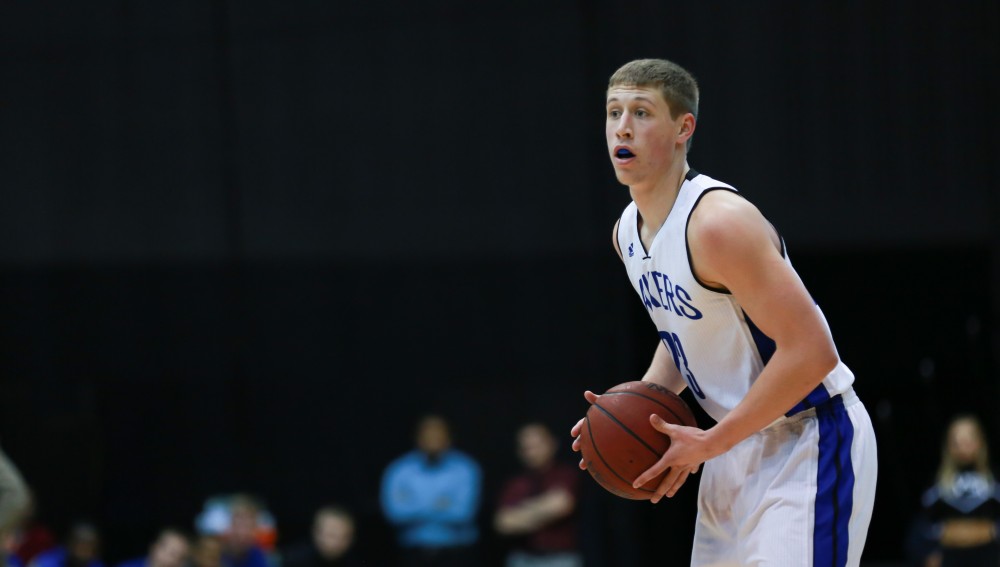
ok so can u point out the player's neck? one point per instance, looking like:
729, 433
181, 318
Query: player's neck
656, 199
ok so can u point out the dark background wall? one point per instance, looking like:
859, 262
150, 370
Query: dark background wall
244, 244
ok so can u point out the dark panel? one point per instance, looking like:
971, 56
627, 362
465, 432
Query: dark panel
111, 135
437, 133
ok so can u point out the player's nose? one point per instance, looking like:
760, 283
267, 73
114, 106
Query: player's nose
624, 129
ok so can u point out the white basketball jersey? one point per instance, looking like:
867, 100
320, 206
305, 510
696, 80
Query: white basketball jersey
715, 345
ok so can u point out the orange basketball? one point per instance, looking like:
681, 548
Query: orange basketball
617, 441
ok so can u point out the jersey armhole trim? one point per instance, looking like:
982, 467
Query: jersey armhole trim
687, 245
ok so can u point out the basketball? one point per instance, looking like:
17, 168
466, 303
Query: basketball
617, 441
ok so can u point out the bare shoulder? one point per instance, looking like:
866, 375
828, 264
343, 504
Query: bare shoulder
614, 240
723, 216
725, 231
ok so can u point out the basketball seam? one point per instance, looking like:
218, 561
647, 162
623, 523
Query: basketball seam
654, 400
627, 429
597, 451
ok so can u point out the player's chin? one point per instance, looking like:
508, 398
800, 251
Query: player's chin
625, 177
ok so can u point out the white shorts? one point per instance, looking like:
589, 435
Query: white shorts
798, 493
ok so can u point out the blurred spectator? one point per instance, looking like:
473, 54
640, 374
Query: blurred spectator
14, 506
172, 548
216, 518
537, 509
14, 499
8, 558
82, 549
431, 495
207, 551
960, 512
240, 545
32, 536
330, 546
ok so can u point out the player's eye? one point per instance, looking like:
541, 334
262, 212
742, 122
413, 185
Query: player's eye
614, 113
641, 113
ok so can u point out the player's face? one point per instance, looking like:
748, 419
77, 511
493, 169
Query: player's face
642, 137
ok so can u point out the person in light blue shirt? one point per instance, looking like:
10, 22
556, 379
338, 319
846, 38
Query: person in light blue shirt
431, 495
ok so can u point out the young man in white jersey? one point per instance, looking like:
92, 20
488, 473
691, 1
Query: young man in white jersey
790, 466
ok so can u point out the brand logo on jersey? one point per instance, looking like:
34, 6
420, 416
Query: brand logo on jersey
658, 292
630, 251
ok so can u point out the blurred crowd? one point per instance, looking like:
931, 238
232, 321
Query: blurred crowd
431, 497
232, 531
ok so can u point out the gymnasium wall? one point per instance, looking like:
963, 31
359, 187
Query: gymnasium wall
244, 244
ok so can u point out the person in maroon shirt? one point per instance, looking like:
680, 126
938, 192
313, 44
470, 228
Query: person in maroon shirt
538, 508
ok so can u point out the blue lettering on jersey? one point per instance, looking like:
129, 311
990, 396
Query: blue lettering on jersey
631, 252
685, 299
673, 342
667, 295
647, 299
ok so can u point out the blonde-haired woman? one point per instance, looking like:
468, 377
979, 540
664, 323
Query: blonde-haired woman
963, 506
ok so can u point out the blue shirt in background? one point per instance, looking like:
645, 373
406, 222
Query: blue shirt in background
433, 503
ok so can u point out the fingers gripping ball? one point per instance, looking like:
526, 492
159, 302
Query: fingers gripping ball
617, 441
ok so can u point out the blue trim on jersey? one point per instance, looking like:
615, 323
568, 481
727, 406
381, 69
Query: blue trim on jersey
834, 485
816, 398
765, 344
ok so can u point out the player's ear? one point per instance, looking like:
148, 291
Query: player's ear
687, 126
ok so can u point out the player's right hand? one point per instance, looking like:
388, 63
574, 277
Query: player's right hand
575, 432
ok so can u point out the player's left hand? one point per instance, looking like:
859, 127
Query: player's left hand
689, 448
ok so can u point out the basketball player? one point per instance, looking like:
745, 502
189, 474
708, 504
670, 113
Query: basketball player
790, 466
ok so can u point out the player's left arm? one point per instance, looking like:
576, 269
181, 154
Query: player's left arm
734, 247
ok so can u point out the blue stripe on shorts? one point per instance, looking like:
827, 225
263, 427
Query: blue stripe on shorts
817, 397
834, 485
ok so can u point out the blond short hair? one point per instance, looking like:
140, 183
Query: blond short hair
677, 86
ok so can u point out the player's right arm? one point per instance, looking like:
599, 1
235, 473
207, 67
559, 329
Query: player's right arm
588, 395
614, 240
662, 369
